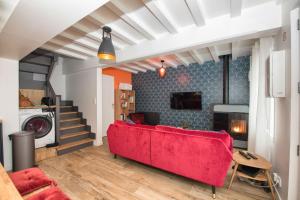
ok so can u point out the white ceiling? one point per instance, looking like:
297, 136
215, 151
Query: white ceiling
178, 31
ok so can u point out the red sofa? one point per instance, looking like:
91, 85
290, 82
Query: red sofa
204, 156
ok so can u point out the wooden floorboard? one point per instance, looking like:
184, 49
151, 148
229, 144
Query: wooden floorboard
93, 173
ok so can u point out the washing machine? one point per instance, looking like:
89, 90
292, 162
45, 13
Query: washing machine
41, 123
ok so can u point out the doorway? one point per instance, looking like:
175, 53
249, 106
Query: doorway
108, 98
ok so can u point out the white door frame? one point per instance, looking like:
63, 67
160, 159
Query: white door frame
107, 118
294, 164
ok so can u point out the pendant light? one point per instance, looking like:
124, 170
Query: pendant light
162, 70
106, 51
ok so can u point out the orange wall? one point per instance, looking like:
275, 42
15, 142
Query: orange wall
119, 75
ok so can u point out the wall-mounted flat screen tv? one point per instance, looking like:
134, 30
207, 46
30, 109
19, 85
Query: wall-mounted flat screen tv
186, 100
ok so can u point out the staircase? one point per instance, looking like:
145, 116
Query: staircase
74, 133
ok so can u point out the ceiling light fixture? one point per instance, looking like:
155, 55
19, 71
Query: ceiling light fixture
106, 51
162, 70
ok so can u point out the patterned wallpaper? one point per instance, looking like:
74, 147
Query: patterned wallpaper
153, 93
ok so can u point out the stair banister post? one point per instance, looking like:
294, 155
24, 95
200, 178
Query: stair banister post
57, 117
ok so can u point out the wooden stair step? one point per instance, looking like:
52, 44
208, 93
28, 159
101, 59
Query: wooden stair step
70, 135
68, 113
70, 127
73, 144
70, 120
66, 106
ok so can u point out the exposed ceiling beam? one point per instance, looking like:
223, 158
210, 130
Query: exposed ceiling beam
170, 63
143, 65
7, 8
63, 51
126, 69
28, 15
196, 11
73, 47
118, 33
91, 33
214, 53
118, 8
153, 63
182, 59
197, 56
131, 66
235, 47
235, 8
81, 41
247, 26
157, 9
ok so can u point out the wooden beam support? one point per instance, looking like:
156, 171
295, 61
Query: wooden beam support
197, 56
235, 8
214, 53
118, 33
145, 66
130, 66
127, 70
196, 11
118, 8
182, 59
63, 52
156, 8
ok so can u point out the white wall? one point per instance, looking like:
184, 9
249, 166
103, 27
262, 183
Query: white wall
85, 89
58, 79
9, 104
283, 131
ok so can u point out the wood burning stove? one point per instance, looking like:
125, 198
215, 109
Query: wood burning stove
234, 120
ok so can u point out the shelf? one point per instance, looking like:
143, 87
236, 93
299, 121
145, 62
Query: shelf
259, 177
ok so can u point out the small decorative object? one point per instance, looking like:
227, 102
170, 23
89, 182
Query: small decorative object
162, 70
106, 51
125, 86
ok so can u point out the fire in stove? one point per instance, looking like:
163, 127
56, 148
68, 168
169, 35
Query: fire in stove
238, 126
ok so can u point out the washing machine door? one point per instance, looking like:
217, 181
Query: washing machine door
41, 125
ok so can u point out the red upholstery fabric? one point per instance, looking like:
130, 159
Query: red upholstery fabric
130, 141
52, 193
201, 155
223, 135
138, 118
29, 180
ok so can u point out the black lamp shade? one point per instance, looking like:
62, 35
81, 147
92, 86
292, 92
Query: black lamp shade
106, 51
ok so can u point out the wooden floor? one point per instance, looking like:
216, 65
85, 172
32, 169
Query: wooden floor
93, 173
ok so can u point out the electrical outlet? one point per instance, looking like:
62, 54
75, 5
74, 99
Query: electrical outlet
277, 179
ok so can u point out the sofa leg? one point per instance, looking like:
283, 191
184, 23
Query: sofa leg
213, 188
115, 156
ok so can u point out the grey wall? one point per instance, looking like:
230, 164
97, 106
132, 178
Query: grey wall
153, 93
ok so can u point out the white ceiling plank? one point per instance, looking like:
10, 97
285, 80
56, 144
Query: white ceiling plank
214, 53
161, 14
182, 59
63, 52
143, 65
235, 8
170, 63
122, 35
196, 11
81, 41
134, 67
247, 26
153, 63
197, 56
235, 52
73, 47
28, 15
127, 70
97, 35
6, 9
117, 7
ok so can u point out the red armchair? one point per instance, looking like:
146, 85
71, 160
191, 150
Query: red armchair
204, 156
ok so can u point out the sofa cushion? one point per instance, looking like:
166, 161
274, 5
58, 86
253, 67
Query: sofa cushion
223, 135
138, 118
29, 180
52, 193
